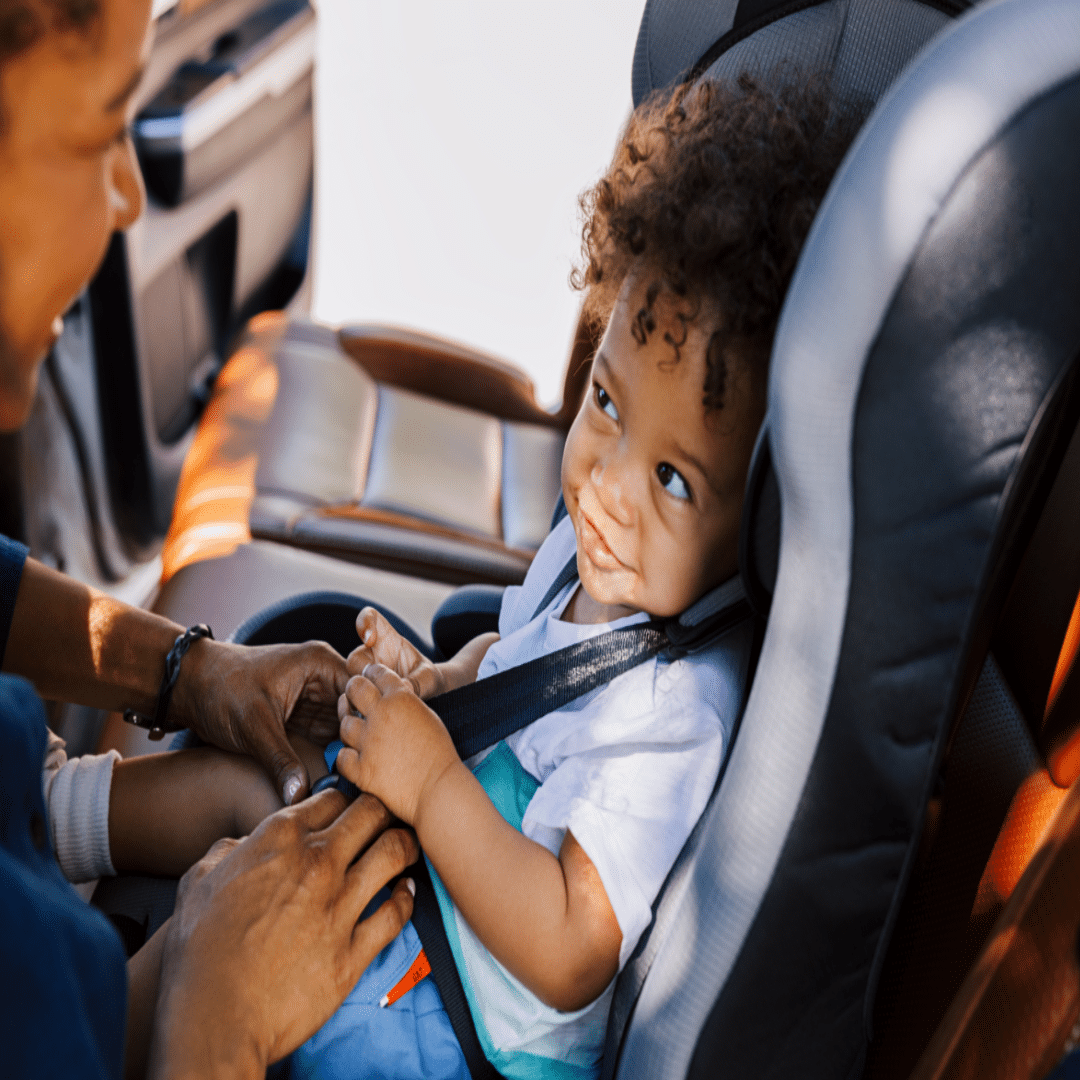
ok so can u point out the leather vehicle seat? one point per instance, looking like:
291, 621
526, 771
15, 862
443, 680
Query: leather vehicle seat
375, 445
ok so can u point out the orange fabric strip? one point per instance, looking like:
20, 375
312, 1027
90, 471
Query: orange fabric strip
419, 971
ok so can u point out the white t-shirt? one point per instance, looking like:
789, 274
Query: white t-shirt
627, 768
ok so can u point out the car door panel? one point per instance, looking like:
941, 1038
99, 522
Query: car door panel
228, 237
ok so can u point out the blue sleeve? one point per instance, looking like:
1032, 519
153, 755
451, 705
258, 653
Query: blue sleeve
12, 557
63, 978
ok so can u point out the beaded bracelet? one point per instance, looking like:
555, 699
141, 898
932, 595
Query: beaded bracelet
159, 726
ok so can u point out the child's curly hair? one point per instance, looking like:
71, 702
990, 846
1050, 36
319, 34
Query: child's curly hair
712, 190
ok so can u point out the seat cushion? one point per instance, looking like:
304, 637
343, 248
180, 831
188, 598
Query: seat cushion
300, 445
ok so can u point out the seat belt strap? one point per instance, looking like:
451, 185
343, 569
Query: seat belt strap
483, 713
428, 924
567, 574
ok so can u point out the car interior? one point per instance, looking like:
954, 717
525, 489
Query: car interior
886, 880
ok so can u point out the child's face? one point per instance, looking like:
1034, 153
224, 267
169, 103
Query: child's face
654, 485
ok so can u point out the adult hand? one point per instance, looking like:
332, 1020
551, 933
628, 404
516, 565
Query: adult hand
265, 942
241, 698
395, 746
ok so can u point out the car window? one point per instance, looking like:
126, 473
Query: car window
453, 140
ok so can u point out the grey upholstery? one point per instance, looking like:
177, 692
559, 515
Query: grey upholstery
912, 439
864, 43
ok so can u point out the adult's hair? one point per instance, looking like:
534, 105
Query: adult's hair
24, 22
710, 195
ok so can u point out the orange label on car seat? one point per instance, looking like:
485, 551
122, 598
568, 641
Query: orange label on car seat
419, 971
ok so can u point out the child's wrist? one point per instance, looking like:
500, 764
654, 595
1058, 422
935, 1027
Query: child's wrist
451, 675
433, 793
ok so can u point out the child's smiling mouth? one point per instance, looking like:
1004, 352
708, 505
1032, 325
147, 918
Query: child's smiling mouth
596, 547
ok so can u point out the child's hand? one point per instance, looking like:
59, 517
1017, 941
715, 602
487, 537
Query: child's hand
382, 644
396, 748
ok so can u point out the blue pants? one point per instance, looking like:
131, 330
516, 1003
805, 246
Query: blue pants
410, 1039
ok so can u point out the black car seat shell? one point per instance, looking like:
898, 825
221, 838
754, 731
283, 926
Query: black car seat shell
922, 396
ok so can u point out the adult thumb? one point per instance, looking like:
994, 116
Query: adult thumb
271, 749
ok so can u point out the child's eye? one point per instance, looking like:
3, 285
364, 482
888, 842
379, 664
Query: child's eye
672, 482
603, 399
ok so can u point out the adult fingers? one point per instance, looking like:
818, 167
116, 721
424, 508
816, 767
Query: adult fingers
373, 934
318, 812
386, 858
355, 828
296, 682
270, 746
199, 870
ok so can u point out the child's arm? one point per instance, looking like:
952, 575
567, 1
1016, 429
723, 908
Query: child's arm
382, 644
165, 810
547, 919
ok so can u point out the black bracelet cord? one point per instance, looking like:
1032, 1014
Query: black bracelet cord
159, 726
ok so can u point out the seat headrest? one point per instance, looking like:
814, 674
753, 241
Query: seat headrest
863, 43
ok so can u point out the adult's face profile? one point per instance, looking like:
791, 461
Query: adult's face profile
68, 179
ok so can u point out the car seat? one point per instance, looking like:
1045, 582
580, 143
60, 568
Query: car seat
915, 440
1013, 547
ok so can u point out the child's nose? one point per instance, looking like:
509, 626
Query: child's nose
615, 489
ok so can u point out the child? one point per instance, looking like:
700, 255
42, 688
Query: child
549, 850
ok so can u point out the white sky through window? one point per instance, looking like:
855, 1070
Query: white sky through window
452, 142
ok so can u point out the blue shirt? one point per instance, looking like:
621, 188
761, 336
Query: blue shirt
63, 979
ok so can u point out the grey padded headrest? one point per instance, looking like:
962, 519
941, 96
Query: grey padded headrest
864, 43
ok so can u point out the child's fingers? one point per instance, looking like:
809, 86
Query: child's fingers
373, 629
367, 622
385, 680
361, 695
348, 765
385, 644
359, 659
425, 681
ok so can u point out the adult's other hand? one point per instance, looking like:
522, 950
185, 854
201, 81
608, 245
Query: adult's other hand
241, 698
266, 939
